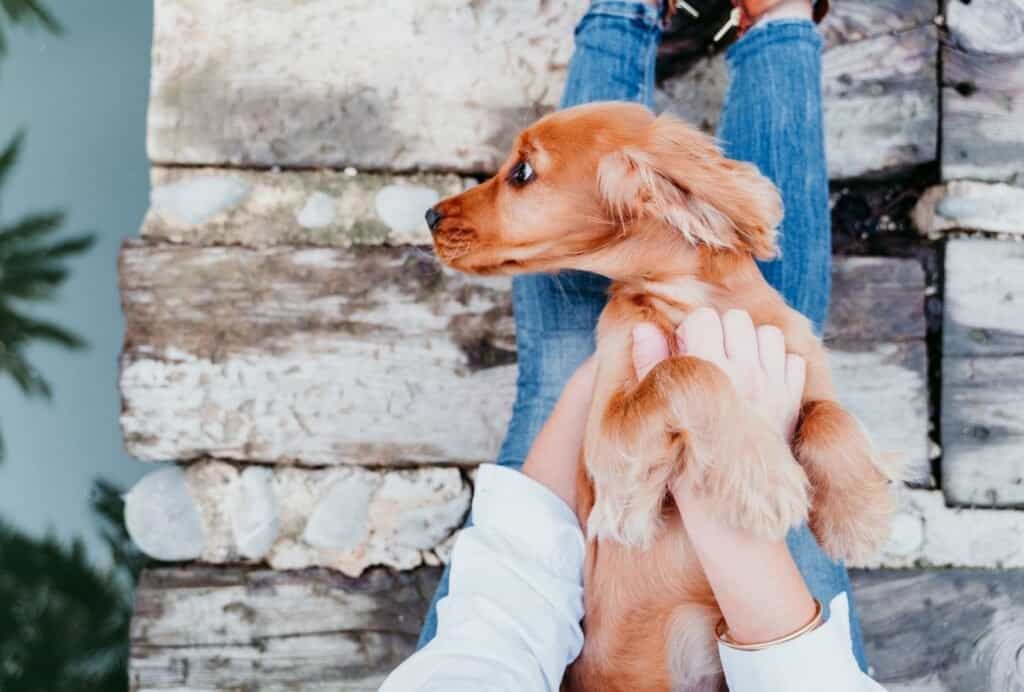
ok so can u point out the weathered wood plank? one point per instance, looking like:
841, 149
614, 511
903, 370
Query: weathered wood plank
983, 91
232, 83
392, 85
984, 298
378, 356
983, 373
943, 631
849, 22
881, 101
970, 205
343, 518
983, 430
211, 206
203, 629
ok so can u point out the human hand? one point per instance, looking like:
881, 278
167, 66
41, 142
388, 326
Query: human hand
763, 374
745, 571
555, 455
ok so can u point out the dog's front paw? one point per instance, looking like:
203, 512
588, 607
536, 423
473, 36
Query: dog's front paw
853, 499
631, 521
760, 489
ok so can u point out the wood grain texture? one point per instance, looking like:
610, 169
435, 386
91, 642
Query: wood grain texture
380, 356
983, 430
849, 22
984, 298
201, 629
983, 373
232, 83
881, 101
943, 631
983, 91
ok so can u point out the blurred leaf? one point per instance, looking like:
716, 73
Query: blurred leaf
32, 267
27, 13
64, 623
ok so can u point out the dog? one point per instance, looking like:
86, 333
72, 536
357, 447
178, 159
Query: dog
654, 205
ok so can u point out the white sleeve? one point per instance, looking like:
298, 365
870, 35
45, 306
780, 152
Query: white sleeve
820, 660
511, 620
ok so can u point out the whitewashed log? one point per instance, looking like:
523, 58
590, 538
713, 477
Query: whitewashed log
434, 84
983, 373
378, 356
849, 22
983, 430
970, 205
203, 629
211, 206
983, 91
987, 26
984, 298
346, 519
445, 84
881, 101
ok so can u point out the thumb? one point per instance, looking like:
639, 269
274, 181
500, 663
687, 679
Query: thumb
649, 348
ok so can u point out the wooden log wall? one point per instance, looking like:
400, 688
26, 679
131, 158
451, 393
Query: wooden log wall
326, 388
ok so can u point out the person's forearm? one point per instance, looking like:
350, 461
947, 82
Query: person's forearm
755, 580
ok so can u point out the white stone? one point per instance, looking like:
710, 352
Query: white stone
340, 520
198, 200
317, 212
253, 510
402, 206
345, 519
162, 518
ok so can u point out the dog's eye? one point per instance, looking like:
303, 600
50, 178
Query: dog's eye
521, 173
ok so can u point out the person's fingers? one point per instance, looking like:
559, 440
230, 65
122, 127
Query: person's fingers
740, 340
796, 375
650, 347
771, 347
702, 335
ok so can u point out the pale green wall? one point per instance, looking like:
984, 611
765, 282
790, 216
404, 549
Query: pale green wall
82, 98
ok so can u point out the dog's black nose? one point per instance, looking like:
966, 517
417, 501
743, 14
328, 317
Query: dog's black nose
433, 217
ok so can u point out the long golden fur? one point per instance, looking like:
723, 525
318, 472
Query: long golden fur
656, 207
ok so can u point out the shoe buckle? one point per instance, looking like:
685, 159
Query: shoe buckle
683, 5
734, 21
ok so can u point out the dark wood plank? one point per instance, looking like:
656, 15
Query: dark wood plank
943, 630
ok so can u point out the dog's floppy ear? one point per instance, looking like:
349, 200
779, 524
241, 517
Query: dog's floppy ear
679, 175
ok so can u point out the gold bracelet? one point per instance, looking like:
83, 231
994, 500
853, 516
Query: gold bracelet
722, 632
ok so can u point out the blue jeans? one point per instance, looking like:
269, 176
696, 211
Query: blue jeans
773, 118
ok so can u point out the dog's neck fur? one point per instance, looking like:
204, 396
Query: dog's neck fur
654, 258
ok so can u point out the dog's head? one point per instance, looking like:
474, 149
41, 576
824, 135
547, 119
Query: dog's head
584, 181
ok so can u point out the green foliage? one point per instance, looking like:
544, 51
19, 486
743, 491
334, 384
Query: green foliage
27, 13
31, 269
64, 624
